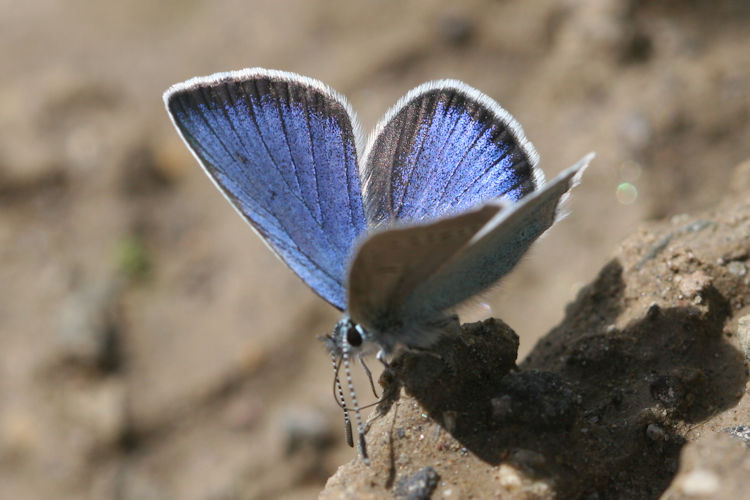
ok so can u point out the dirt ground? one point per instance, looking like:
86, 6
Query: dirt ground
150, 345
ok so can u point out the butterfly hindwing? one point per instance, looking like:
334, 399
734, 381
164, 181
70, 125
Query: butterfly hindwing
391, 263
444, 148
495, 249
283, 150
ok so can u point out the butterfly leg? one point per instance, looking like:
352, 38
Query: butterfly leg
369, 375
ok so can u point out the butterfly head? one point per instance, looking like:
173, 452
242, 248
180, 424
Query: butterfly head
349, 339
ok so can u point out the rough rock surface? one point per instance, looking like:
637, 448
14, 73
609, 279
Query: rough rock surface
646, 362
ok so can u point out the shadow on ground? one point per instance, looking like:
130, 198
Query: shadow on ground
607, 407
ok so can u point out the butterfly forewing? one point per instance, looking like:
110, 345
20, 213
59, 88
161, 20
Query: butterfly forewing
444, 148
283, 150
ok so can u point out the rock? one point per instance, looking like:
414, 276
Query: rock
737, 268
459, 376
603, 405
741, 432
694, 284
418, 486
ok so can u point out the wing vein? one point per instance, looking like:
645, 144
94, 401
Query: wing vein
448, 137
484, 173
314, 161
463, 157
416, 159
289, 148
273, 163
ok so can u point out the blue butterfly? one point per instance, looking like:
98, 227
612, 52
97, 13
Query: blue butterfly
441, 202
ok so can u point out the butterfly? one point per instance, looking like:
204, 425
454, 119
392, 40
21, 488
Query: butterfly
437, 205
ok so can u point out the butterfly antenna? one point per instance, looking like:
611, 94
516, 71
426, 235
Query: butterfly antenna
355, 403
338, 396
369, 376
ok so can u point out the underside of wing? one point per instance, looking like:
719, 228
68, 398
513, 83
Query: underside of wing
444, 148
495, 249
283, 150
390, 264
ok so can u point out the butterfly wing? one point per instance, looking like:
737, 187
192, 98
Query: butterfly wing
445, 147
391, 263
283, 150
495, 249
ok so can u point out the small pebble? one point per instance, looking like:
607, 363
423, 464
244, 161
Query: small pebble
694, 283
655, 433
741, 432
737, 268
418, 486
653, 311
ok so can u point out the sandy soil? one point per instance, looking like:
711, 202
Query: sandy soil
150, 345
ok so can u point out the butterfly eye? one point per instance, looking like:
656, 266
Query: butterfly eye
353, 337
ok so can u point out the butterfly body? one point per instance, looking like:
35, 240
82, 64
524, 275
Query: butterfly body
440, 203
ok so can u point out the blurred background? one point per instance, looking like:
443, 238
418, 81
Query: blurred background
151, 347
